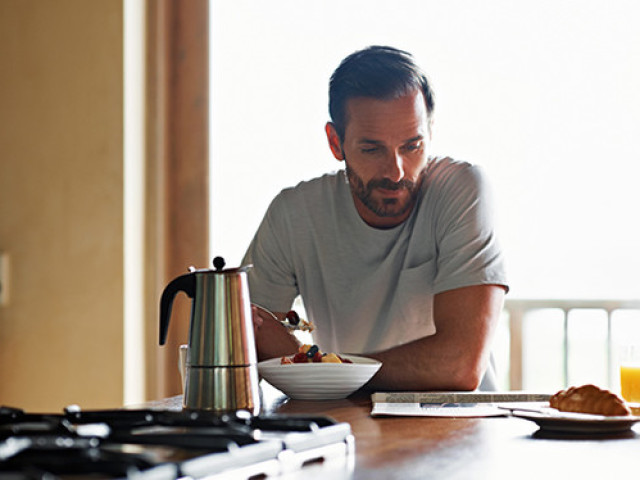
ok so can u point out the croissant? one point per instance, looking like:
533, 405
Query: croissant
589, 399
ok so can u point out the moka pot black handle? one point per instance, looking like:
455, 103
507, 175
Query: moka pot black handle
184, 283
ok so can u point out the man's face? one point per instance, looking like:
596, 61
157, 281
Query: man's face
385, 148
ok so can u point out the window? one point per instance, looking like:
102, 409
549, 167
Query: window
544, 96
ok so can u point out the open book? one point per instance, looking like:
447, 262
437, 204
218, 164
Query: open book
451, 404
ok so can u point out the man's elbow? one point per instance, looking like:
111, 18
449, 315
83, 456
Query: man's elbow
467, 382
467, 376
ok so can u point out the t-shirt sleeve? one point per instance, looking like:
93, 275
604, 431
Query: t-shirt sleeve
272, 280
468, 249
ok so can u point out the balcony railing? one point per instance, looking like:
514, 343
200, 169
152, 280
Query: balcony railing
517, 310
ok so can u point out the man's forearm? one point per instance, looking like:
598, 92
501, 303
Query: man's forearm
423, 365
456, 357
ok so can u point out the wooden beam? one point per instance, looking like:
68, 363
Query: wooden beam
178, 172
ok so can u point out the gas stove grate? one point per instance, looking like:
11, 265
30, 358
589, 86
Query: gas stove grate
159, 444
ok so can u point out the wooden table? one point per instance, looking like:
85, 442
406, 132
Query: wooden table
457, 448
466, 448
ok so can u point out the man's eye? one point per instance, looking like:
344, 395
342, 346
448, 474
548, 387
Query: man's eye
369, 149
412, 147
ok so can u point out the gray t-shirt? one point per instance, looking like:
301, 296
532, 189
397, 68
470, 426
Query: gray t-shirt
369, 289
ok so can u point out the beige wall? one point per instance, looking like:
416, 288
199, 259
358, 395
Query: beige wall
61, 202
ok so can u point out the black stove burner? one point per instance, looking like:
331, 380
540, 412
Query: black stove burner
159, 444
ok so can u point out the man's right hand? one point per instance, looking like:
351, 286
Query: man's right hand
272, 338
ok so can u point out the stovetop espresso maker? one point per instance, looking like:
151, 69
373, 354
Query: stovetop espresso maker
221, 366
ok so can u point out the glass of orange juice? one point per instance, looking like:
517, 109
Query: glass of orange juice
630, 374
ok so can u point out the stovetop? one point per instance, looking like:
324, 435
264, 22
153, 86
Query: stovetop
149, 444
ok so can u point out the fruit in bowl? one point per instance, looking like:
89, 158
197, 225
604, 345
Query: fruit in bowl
330, 376
312, 354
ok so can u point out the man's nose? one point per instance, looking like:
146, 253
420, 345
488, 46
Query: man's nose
394, 167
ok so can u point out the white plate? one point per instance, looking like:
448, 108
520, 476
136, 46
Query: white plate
319, 381
567, 422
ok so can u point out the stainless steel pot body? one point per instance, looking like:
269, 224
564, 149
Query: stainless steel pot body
221, 367
221, 331
222, 389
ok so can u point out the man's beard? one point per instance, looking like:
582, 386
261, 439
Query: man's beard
385, 207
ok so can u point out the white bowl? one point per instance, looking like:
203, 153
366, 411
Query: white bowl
319, 381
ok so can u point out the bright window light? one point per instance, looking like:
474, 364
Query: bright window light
542, 94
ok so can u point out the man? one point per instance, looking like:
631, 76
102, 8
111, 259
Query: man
395, 257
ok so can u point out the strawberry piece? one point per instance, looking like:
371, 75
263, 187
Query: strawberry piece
292, 317
299, 358
344, 360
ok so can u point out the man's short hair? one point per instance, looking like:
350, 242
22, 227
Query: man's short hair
380, 72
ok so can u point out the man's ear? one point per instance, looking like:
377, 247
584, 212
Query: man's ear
334, 141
